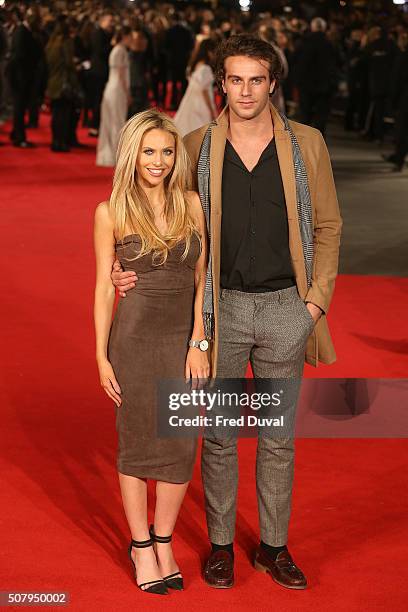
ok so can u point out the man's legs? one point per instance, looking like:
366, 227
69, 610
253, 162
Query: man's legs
282, 327
219, 460
306, 106
18, 133
378, 119
322, 111
401, 148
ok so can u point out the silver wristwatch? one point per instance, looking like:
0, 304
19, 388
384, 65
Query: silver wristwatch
200, 344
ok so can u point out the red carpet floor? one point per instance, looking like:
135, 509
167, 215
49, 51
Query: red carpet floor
62, 525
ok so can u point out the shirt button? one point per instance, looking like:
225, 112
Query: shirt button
253, 232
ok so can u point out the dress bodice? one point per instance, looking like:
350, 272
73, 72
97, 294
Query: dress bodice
174, 274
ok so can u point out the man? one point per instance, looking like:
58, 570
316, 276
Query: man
316, 75
355, 80
25, 55
380, 56
179, 44
100, 50
399, 98
270, 295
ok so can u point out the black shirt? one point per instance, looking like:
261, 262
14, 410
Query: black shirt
255, 254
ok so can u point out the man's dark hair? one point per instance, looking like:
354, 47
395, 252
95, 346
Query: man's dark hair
248, 45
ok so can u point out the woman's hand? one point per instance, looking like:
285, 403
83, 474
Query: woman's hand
197, 365
109, 382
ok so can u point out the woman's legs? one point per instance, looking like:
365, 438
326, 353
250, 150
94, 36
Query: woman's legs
169, 497
134, 497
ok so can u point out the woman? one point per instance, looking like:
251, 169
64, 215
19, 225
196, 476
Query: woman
116, 99
157, 229
198, 106
63, 85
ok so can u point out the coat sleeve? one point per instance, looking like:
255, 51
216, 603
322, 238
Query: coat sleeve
326, 233
193, 152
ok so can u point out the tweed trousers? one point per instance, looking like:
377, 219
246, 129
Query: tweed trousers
270, 331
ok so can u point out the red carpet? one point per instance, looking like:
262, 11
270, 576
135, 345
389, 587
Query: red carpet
62, 525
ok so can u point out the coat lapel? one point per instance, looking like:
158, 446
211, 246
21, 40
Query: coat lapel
218, 139
286, 164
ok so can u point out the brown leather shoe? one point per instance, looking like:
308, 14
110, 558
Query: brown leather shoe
283, 570
219, 570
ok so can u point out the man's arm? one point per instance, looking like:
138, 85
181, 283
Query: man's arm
327, 230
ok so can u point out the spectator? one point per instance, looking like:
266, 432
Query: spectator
179, 45
269, 34
380, 58
159, 70
3, 52
100, 50
116, 99
355, 75
63, 85
316, 75
138, 71
400, 100
21, 70
198, 106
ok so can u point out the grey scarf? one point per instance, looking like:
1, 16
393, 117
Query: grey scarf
304, 208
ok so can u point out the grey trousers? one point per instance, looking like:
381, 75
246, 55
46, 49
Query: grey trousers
270, 330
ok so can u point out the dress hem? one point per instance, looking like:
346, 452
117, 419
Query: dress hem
148, 475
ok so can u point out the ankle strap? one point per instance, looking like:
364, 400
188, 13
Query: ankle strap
141, 543
162, 539
159, 539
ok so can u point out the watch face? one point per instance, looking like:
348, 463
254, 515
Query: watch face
204, 345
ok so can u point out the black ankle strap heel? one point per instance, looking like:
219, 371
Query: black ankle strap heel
172, 581
158, 587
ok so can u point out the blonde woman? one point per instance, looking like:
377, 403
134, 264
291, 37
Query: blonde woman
156, 228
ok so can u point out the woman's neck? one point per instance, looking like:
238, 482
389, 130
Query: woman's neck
156, 197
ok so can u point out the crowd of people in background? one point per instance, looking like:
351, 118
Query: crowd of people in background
86, 62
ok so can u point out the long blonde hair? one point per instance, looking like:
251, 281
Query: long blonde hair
129, 204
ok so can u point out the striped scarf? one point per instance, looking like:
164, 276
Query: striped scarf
304, 208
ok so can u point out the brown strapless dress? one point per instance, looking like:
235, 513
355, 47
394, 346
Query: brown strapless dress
148, 341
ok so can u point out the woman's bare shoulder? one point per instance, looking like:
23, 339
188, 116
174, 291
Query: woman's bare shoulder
193, 199
103, 214
194, 204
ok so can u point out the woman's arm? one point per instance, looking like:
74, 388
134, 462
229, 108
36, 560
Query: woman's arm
211, 106
123, 71
197, 363
104, 242
206, 79
123, 80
